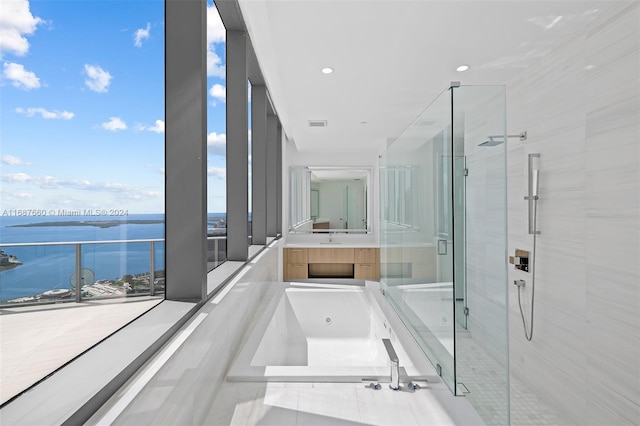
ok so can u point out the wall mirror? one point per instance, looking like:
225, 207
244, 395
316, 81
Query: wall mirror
330, 199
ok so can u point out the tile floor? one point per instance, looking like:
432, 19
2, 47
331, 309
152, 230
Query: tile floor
336, 404
486, 381
37, 340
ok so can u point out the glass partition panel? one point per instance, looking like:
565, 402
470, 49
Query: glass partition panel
443, 241
158, 281
416, 232
104, 272
481, 249
30, 274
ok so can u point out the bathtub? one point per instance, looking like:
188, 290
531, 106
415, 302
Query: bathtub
429, 305
322, 334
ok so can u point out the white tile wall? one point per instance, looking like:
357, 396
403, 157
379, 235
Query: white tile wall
581, 108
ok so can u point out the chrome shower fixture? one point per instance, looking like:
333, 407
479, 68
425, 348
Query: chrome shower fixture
491, 141
532, 198
497, 140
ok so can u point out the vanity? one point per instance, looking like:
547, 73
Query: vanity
334, 202
308, 262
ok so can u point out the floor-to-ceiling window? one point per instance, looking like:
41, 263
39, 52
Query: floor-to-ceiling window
82, 157
216, 139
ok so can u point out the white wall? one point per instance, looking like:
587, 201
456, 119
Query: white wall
581, 106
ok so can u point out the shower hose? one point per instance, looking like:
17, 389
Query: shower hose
528, 333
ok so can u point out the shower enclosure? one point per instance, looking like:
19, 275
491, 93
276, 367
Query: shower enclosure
444, 241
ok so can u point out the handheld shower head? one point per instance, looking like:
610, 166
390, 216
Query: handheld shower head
536, 183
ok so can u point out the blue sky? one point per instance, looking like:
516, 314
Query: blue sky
82, 105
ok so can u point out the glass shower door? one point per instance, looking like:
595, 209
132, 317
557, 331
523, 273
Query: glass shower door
443, 241
482, 348
417, 233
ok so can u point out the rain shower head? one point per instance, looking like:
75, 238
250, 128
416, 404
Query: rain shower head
492, 141
497, 140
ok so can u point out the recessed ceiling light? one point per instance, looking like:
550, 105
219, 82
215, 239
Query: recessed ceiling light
462, 68
327, 70
363, 122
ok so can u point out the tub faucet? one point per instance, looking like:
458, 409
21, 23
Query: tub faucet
395, 365
330, 237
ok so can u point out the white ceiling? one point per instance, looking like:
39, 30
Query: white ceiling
393, 57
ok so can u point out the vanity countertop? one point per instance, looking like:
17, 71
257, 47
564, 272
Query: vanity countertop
331, 245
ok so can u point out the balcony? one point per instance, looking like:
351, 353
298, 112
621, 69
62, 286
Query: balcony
48, 316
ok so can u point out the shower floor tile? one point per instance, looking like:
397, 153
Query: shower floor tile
486, 382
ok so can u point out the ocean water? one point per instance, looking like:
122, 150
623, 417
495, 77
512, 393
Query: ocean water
48, 267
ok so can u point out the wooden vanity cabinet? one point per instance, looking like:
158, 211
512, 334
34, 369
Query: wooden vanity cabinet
367, 263
331, 262
330, 255
296, 265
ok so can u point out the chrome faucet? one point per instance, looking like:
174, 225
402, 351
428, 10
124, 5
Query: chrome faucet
395, 365
330, 237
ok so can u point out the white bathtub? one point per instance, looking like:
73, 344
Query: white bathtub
318, 334
429, 305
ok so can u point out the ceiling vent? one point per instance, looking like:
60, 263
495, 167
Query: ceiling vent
317, 123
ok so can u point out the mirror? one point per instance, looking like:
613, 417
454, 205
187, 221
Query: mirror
329, 199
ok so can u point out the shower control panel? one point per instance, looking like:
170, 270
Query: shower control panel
520, 260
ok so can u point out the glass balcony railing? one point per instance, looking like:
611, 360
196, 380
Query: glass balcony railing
52, 272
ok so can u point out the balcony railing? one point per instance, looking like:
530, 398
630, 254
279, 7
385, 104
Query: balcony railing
83, 284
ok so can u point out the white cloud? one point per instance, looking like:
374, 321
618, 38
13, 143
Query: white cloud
98, 79
141, 34
219, 92
16, 177
158, 127
114, 124
17, 196
16, 21
217, 172
12, 160
215, 67
217, 143
48, 115
121, 191
216, 33
21, 78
